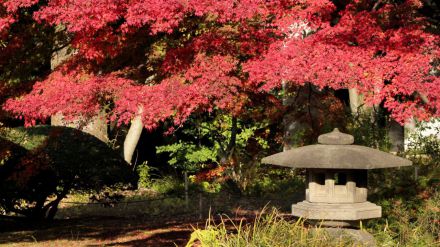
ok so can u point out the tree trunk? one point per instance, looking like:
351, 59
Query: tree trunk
38, 212
291, 125
133, 136
226, 153
97, 126
396, 135
53, 208
356, 101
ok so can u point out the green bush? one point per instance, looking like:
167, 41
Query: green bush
167, 185
187, 156
210, 187
370, 128
58, 160
271, 180
410, 203
218, 140
144, 176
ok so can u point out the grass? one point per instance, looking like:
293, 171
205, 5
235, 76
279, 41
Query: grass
151, 223
271, 229
409, 225
170, 220
140, 203
402, 226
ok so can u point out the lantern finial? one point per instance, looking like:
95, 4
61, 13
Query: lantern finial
336, 138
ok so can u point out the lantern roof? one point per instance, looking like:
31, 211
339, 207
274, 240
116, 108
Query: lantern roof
335, 150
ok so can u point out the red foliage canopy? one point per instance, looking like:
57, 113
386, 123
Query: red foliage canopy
214, 52
386, 57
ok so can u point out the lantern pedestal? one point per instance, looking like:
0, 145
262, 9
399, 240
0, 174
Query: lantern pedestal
336, 211
359, 237
336, 195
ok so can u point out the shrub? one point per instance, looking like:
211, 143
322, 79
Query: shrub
370, 128
58, 160
143, 172
409, 223
167, 185
217, 147
271, 180
410, 203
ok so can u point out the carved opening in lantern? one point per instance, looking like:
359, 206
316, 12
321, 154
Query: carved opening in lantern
336, 186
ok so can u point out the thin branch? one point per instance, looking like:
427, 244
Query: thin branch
377, 5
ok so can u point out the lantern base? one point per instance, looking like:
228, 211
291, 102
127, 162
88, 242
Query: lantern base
336, 211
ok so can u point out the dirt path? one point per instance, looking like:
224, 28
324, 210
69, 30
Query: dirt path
156, 223
115, 231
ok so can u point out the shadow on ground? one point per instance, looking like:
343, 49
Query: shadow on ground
98, 231
116, 227
106, 232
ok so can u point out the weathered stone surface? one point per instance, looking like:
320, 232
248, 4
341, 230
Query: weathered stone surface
351, 187
336, 211
334, 152
355, 224
360, 237
336, 138
336, 157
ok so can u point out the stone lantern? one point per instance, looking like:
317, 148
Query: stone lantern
336, 191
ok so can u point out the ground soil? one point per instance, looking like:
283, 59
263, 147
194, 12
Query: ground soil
166, 222
122, 230
99, 231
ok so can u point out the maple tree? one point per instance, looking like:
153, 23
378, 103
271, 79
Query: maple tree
174, 58
381, 48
